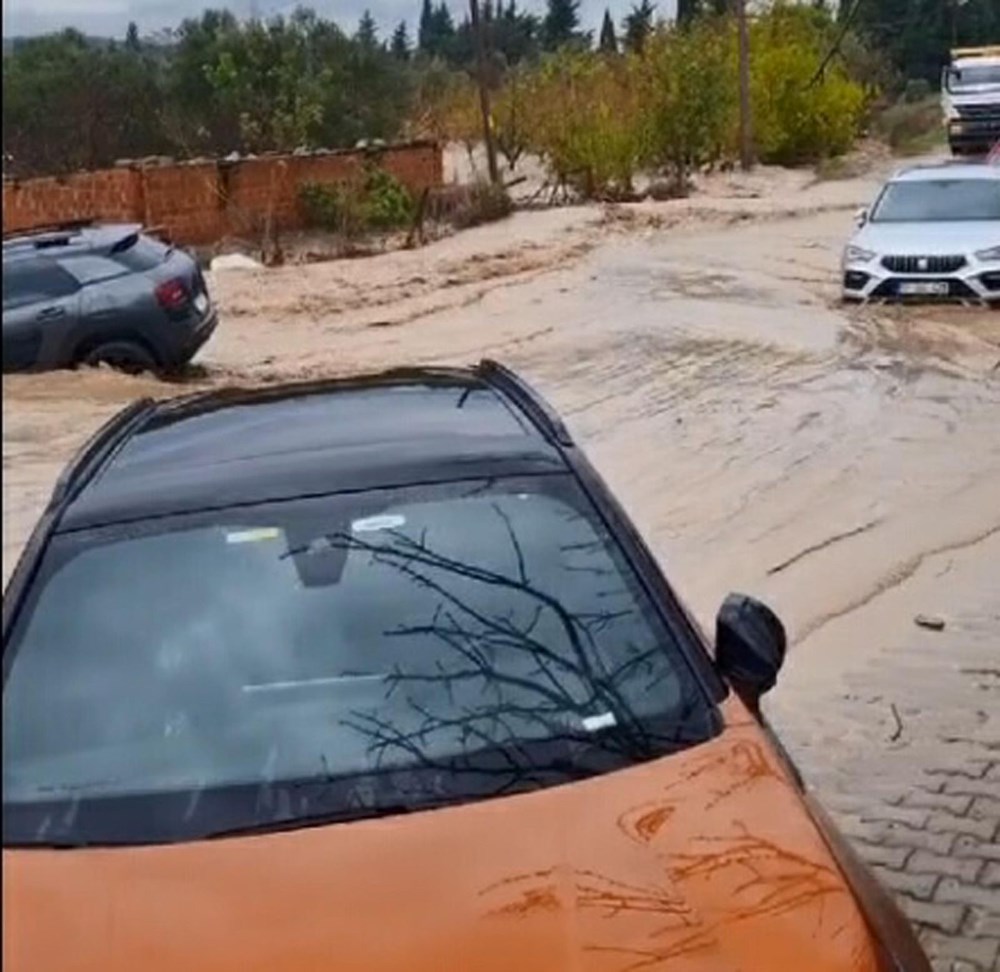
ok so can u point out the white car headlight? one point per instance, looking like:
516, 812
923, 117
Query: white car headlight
989, 256
858, 254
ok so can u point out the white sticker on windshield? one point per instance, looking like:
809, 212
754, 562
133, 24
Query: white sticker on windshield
371, 523
253, 536
603, 721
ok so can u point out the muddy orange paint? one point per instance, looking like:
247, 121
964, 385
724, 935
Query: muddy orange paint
705, 861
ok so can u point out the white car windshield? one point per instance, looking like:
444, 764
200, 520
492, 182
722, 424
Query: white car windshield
973, 76
938, 200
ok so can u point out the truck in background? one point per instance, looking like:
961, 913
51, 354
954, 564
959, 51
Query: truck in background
970, 99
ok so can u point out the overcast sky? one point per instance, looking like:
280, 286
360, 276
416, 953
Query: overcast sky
109, 18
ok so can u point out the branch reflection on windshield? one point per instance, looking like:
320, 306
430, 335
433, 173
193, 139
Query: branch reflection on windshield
441, 644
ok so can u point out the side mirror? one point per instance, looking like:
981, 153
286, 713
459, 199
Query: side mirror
750, 645
861, 217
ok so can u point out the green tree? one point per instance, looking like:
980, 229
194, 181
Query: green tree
197, 120
444, 26
71, 104
689, 10
367, 33
691, 103
400, 44
917, 35
513, 34
425, 28
561, 24
132, 41
216, 86
276, 85
638, 26
608, 43
436, 34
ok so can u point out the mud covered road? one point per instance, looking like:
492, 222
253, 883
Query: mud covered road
843, 465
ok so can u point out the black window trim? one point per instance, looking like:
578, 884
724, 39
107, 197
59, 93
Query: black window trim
688, 637
91, 458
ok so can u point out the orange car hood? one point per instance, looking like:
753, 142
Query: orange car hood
702, 862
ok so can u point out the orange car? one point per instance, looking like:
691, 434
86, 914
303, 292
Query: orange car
375, 676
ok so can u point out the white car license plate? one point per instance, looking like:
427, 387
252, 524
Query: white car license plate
201, 303
924, 288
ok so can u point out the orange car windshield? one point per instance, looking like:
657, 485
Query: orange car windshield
331, 659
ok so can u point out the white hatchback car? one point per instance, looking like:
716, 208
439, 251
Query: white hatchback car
932, 233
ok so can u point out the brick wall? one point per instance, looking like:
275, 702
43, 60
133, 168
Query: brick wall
202, 202
113, 194
184, 201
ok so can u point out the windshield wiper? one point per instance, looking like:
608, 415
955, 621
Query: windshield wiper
67, 843
315, 820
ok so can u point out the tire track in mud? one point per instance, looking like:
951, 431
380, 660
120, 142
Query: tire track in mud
896, 576
823, 545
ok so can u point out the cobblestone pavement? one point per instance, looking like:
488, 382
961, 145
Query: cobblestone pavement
904, 747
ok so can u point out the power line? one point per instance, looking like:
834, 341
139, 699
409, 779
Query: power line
832, 53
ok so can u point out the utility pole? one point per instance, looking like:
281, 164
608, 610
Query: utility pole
484, 92
746, 121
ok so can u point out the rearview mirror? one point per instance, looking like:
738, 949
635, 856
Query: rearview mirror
861, 216
750, 645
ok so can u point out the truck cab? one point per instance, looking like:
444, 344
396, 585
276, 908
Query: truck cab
970, 99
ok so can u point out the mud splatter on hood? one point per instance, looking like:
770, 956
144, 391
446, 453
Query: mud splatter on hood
702, 861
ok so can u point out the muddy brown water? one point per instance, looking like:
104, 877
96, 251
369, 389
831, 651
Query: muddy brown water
764, 438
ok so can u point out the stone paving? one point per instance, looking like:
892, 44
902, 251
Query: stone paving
904, 749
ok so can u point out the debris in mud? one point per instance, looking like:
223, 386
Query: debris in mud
898, 731
662, 190
931, 622
234, 261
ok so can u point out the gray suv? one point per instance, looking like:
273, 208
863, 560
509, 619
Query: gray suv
91, 294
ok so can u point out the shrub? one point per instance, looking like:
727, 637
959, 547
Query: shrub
911, 127
586, 121
482, 203
917, 89
387, 203
512, 115
800, 114
597, 120
376, 202
691, 96
334, 207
